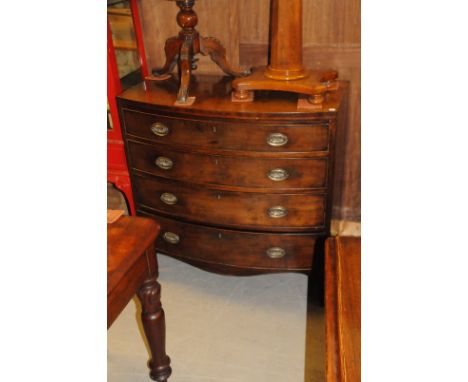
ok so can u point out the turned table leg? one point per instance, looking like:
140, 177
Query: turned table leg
172, 49
154, 326
185, 72
212, 46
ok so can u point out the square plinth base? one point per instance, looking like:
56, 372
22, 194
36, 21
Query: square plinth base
190, 101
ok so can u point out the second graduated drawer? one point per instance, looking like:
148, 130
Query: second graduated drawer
251, 136
236, 171
246, 210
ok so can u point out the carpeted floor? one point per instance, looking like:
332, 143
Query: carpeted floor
224, 328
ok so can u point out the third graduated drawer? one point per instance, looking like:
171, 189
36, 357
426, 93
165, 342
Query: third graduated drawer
273, 137
244, 249
245, 210
233, 171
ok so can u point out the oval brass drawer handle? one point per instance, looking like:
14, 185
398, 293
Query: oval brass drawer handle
275, 252
164, 163
159, 129
277, 212
171, 237
278, 174
277, 139
169, 198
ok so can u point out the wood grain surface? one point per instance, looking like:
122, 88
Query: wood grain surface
343, 308
229, 171
242, 249
199, 133
127, 264
242, 210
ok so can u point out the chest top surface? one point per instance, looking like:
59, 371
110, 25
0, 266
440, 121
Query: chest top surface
213, 98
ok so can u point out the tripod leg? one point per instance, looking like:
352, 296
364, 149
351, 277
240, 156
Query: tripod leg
171, 48
185, 71
213, 47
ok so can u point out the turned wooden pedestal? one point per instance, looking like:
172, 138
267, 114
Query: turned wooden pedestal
285, 71
183, 48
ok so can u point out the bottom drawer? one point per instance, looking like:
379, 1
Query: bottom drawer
236, 248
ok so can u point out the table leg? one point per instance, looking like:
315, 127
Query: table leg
185, 64
154, 325
172, 49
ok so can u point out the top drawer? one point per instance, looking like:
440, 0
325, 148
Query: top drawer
226, 136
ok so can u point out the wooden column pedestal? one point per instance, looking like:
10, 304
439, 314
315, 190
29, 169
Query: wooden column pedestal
285, 71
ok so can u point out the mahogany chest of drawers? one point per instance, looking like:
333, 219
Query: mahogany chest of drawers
238, 188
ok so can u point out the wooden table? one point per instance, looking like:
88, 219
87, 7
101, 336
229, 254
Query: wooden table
132, 267
343, 308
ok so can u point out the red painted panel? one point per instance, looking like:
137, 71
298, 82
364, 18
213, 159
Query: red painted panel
117, 172
139, 37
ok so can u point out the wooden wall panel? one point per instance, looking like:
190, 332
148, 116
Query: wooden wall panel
332, 22
325, 22
331, 38
255, 22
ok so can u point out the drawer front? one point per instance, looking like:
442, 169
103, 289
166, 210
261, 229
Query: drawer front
230, 171
227, 136
235, 209
236, 248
